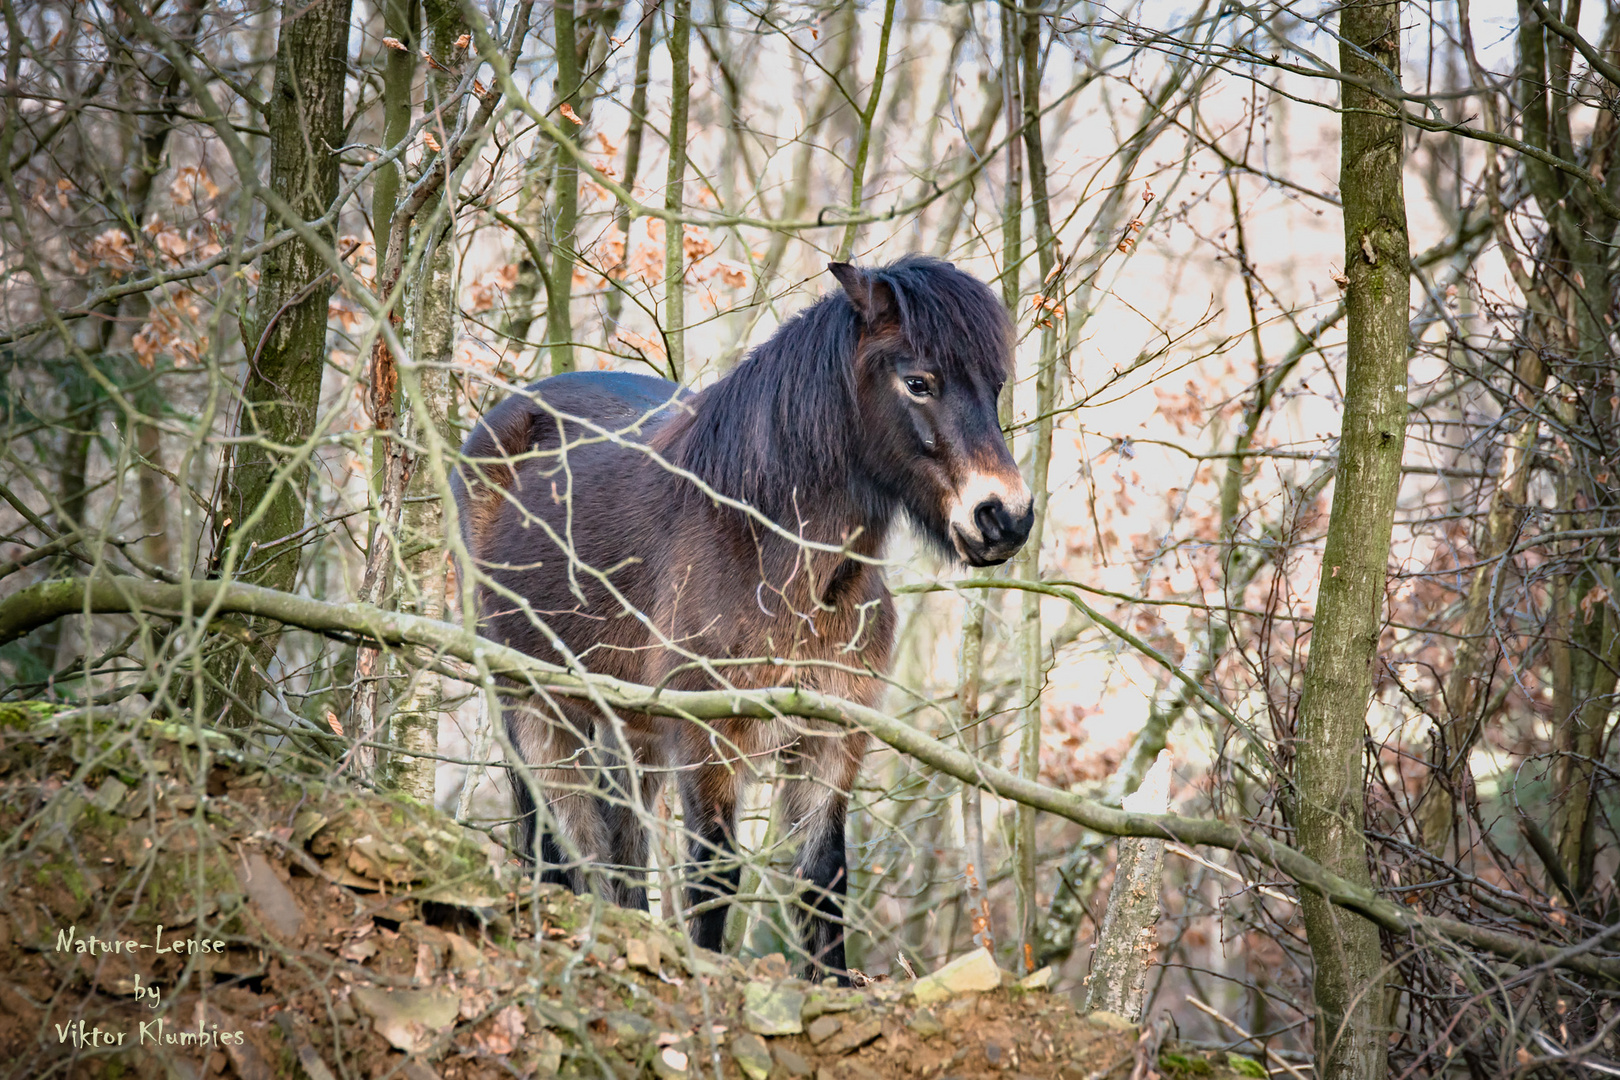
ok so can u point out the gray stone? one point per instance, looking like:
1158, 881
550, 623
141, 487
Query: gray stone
753, 1056
110, 794
630, 1027
773, 1010
853, 1037
792, 1062
925, 1024
408, 1019
822, 1028
277, 908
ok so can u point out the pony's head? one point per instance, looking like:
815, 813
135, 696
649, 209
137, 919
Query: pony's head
935, 347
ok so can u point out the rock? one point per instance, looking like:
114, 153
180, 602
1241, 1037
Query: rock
1112, 1021
306, 823
792, 1062
465, 957
925, 1024
822, 1028
110, 794
773, 1010
408, 1019
548, 1054
639, 956
774, 966
852, 1037
995, 1055
753, 1056
975, 972
1037, 980
830, 1001
383, 860
670, 1064
630, 1027
273, 902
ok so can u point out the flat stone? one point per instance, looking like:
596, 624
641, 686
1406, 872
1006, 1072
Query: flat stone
972, 973
110, 794
275, 904
670, 1063
822, 1028
774, 966
822, 1001
926, 1024
1037, 980
792, 1062
408, 1019
630, 1027
773, 1010
639, 956
753, 1056
1111, 1020
464, 955
852, 1037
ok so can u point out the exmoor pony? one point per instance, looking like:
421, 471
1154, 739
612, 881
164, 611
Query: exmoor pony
730, 538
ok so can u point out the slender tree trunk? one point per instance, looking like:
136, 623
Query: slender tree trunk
565, 207
1345, 949
1126, 941
863, 144
402, 19
1049, 315
680, 33
426, 394
632, 154
286, 337
972, 681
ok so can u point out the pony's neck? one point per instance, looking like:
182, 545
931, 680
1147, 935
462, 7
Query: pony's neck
780, 432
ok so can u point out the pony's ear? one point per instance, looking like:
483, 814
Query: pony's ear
873, 299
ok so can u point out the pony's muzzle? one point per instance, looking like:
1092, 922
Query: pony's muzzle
1001, 531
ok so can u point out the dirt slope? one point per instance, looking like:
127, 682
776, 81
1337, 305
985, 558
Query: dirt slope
170, 909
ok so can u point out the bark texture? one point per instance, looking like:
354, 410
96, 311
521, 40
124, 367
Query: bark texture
1348, 987
1127, 941
286, 337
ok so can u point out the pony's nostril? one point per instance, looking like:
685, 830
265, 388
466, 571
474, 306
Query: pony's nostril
991, 518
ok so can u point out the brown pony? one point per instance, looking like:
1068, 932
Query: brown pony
730, 538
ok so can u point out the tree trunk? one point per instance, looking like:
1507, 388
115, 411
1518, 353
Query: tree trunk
286, 338
1126, 943
426, 393
560, 275
1048, 313
680, 30
1345, 949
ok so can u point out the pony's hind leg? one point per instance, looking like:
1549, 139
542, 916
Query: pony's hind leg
709, 794
626, 808
576, 838
815, 802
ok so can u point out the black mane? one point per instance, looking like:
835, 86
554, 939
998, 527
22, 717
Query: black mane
781, 430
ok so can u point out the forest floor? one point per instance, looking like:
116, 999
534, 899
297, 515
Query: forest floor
169, 908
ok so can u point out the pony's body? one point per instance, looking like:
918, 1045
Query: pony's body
591, 511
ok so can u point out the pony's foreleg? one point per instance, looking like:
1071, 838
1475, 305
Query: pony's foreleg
709, 795
815, 803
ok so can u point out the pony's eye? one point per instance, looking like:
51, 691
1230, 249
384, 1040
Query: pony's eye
918, 387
